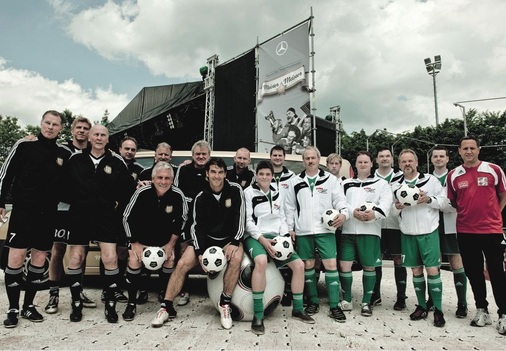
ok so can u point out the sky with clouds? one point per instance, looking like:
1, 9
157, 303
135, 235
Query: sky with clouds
91, 55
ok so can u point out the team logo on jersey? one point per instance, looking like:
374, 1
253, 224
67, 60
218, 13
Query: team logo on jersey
169, 209
243, 184
228, 203
482, 181
284, 185
275, 206
321, 190
134, 176
108, 169
368, 189
59, 161
463, 184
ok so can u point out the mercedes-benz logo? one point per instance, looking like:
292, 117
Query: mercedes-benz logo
281, 48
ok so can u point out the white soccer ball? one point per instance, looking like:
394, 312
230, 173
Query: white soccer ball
242, 297
328, 217
407, 195
284, 247
153, 257
367, 206
213, 259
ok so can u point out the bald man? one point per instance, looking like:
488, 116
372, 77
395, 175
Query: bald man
240, 173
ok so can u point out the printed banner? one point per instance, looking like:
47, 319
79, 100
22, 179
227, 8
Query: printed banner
283, 98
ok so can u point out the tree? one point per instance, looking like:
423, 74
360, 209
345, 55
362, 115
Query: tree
105, 119
10, 132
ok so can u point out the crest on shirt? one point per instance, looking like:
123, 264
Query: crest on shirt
482, 181
108, 169
463, 185
243, 184
169, 209
228, 203
368, 189
321, 190
284, 185
134, 176
59, 161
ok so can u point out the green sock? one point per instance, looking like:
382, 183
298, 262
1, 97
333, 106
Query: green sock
258, 304
419, 284
460, 280
310, 285
332, 282
436, 290
346, 279
298, 302
368, 281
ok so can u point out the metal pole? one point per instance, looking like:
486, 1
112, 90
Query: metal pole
434, 73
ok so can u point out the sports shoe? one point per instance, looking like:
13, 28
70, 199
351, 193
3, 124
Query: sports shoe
129, 313
400, 304
87, 302
312, 308
302, 316
429, 304
257, 326
102, 296
375, 300
52, 305
366, 310
119, 296
77, 311
225, 316
161, 317
501, 325
32, 314
420, 313
184, 298
337, 314
142, 298
481, 318
110, 311
439, 319
12, 319
345, 305
461, 311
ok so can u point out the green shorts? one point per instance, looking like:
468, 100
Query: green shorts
254, 248
421, 250
325, 243
365, 249
391, 241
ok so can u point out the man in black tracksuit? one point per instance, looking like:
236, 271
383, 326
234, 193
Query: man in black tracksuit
218, 220
33, 168
98, 186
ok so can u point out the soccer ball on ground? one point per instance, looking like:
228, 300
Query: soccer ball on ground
213, 259
328, 217
367, 206
153, 257
283, 246
407, 195
242, 297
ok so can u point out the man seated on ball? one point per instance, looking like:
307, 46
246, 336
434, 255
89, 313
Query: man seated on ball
265, 219
155, 216
218, 220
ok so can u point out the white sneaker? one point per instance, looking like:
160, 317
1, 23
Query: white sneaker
501, 325
346, 305
481, 318
161, 317
184, 298
225, 316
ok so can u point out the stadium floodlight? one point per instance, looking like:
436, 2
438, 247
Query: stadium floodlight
433, 68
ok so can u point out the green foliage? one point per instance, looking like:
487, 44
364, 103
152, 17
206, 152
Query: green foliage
10, 132
105, 119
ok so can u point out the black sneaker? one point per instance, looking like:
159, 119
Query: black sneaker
77, 311
103, 296
87, 302
338, 314
52, 305
312, 308
32, 314
129, 313
461, 311
375, 300
302, 316
119, 296
420, 313
142, 298
400, 304
257, 326
110, 311
439, 320
430, 304
366, 310
12, 319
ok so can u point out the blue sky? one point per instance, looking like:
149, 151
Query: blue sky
92, 55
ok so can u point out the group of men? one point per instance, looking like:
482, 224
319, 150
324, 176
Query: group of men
109, 199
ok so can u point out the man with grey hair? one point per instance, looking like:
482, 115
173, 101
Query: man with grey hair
163, 152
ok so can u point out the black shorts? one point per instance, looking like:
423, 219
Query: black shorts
31, 228
62, 227
97, 226
391, 241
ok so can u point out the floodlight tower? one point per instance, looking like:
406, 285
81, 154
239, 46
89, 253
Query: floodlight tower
209, 77
433, 68
335, 117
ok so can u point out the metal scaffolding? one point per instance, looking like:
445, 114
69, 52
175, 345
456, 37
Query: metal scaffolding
212, 62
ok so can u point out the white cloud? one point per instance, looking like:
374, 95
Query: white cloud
26, 95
